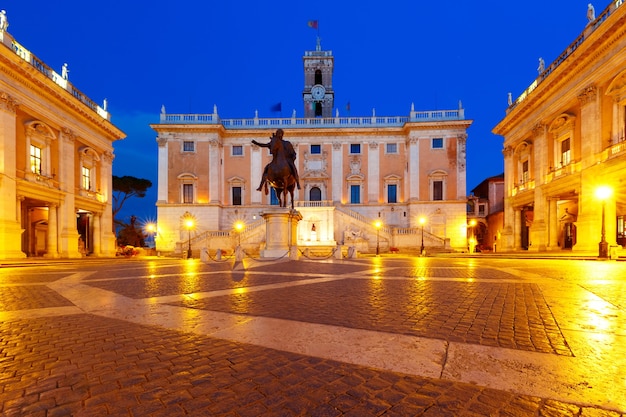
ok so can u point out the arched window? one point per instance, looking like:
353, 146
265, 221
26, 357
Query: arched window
315, 194
318, 77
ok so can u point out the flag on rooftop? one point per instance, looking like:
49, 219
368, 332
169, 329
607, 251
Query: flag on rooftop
313, 24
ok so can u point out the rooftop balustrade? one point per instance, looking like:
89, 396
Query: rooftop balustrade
7, 40
318, 122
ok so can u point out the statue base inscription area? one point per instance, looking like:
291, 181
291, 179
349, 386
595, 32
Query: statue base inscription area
402, 336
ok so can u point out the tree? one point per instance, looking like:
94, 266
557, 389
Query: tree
126, 187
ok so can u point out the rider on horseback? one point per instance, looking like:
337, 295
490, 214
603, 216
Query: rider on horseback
290, 154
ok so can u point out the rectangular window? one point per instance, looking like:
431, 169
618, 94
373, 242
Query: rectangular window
236, 196
355, 148
237, 150
481, 209
392, 148
355, 194
392, 193
316, 149
189, 146
86, 178
35, 159
525, 172
188, 193
437, 143
566, 155
437, 190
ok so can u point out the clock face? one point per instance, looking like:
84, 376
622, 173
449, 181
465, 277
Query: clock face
318, 91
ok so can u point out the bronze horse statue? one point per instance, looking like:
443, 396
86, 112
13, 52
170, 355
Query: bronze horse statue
280, 172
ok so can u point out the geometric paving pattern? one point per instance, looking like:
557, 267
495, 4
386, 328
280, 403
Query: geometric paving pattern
508, 315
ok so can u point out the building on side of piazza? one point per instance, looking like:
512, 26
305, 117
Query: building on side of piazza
55, 163
353, 171
563, 139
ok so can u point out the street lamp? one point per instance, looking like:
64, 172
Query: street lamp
422, 220
602, 193
151, 229
189, 223
239, 226
378, 224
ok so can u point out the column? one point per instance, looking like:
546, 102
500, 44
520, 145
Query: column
553, 224
97, 234
590, 126
461, 169
256, 172
10, 227
337, 174
215, 179
53, 232
162, 170
414, 176
373, 173
68, 234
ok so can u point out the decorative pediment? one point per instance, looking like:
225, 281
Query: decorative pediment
617, 87
562, 124
40, 130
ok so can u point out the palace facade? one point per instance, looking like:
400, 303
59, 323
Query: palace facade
564, 143
55, 162
408, 172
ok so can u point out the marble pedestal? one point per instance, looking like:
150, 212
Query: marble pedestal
281, 233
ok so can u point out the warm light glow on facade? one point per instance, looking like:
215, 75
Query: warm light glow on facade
603, 192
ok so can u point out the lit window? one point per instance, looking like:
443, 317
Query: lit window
355, 148
566, 155
316, 149
189, 146
392, 148
437, 143
237, 150
35, 159
525, 172
86, 178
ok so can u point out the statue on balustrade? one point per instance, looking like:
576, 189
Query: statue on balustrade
4, 21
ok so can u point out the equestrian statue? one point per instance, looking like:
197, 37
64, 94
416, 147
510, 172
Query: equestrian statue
281, 174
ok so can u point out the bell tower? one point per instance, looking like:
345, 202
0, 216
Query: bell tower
318, 94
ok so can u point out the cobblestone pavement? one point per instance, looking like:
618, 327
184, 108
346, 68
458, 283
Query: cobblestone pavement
365, 337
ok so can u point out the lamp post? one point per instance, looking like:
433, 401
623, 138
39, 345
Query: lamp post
151, 229
189, 223
239, 225
378, 224
602, 193
422, 220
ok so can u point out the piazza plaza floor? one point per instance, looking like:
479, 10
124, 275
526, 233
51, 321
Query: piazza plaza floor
372, 336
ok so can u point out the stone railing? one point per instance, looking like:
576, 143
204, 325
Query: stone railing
569, 50
26, 55
318, 122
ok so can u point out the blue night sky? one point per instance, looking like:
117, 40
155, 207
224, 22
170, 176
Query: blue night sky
247, 55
